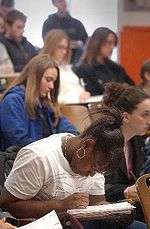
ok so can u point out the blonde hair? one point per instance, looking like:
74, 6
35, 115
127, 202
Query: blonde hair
51, 41
31, 77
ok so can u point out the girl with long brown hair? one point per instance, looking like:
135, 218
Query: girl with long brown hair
95, 67
28, 108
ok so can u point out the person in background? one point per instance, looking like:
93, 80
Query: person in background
95, 67
134, 104
57, 46
6, 6
2, 24
66, 172
29, 109
19, 49
73, 27
145, 76
6, 65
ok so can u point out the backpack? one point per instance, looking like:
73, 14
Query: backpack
7, 159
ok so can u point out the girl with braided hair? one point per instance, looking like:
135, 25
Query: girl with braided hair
64, 171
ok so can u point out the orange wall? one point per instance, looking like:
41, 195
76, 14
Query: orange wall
134, 49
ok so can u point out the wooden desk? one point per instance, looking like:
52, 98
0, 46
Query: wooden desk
10, 75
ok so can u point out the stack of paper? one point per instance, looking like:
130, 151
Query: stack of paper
100, 210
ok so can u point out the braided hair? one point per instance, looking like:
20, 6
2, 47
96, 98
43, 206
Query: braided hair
106, 132
123, 98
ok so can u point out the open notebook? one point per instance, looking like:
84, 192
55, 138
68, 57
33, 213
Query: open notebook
101, 210
48, 221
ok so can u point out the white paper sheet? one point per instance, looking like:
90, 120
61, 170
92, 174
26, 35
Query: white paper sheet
49, 221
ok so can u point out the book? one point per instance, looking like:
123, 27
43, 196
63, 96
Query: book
102, 211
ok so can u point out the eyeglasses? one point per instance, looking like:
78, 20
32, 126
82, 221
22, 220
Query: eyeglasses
62, 47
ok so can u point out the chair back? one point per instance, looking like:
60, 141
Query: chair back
143, 189
78, 115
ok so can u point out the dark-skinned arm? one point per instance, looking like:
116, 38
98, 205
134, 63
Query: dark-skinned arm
34, 208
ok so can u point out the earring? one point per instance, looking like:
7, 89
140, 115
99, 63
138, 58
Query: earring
79, 154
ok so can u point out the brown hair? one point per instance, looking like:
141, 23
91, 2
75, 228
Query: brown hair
124, 98
145, 69
14, 15
7, 3
31, 77
51, 42
94, 44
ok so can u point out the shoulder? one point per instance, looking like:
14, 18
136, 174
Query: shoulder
76, 21
16, 93
2, 46
49, 18
45, 148
26, 42
83, 70
113, 64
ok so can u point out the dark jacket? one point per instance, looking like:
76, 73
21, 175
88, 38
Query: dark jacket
94, 76
146, 168
20, 52
73, 27
118, 181
16, 128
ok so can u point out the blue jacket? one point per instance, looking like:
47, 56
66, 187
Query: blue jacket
16, 128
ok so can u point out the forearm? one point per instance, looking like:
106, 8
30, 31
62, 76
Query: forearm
33, 208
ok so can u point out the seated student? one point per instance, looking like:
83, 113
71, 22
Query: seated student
63, 171
73, 27
5, 62
57, 46
145, 77
6, 6
134, 105
19, 49
26, 112
95, 67
2, 24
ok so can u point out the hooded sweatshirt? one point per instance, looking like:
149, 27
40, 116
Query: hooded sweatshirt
17, 128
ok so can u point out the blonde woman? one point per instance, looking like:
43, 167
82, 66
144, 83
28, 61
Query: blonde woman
28, 108
57, 46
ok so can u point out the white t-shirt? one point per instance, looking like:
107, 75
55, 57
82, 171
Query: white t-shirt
70, 88
41, 170
6, 66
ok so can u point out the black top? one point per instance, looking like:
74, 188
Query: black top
20, 52
73, 27
117, 181
94, 76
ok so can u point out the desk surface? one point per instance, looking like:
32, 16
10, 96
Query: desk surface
91, 99
10, 75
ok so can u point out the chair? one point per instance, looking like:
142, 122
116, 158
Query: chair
93, 109
78, 115
143, 189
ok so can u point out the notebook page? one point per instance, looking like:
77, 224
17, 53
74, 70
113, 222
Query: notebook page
48, 221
